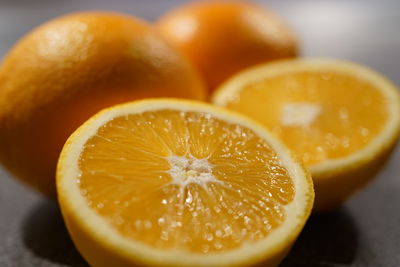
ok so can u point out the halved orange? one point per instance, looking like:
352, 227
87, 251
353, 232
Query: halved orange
179, 183
340, 118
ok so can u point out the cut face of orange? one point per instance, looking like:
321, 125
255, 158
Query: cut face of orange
338, 117
180, 183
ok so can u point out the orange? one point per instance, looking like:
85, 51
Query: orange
66, 70
180, 183
341, 119
224, 37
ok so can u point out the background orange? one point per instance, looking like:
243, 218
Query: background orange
222, 37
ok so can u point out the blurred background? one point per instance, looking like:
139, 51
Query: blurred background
365, 31
365, 232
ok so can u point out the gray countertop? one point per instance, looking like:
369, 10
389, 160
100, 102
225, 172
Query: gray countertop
364, 232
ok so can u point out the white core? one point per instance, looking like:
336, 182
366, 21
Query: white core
299, 114
188, 169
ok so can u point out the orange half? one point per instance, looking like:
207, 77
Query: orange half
340, 118
180, 183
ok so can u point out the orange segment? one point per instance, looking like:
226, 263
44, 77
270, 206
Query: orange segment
340, 118
204, 195
316, 106
180, 183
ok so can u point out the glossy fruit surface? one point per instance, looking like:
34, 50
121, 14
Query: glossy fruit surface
224, 37
66, 70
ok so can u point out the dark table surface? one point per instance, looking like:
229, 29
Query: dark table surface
364, 232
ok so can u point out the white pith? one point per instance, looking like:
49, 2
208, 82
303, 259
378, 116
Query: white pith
381, 142
188, 169
299, 114
68, 172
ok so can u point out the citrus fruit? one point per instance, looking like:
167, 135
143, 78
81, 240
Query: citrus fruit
66, 70
223, 37
340, 118
180, 183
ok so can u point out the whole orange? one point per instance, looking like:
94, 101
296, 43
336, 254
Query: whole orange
223, 37
66, 70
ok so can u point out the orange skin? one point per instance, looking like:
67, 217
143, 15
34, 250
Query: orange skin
68, 69
224, 37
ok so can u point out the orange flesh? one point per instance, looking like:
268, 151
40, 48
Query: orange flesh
184, 180
349, 112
